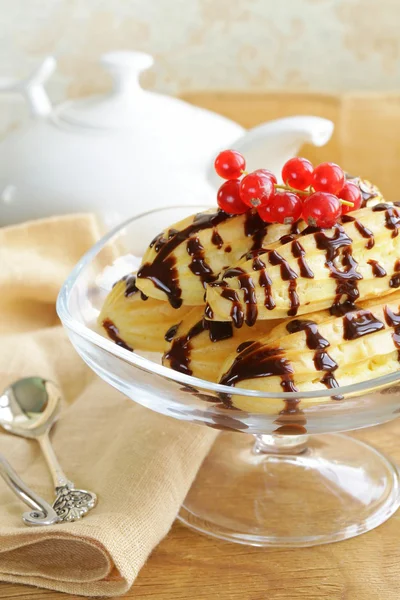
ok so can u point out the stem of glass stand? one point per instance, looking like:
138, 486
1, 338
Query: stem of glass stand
280, 444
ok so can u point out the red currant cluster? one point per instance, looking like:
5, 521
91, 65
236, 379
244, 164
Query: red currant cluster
319, 195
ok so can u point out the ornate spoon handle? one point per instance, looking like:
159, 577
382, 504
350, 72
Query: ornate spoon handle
70, 504
43, 513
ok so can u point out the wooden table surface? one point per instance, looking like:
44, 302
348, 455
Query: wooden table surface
187, 565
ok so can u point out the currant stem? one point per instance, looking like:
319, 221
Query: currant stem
290, 189
307, 192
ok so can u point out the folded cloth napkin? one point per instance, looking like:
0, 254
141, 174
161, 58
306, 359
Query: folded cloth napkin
139, 463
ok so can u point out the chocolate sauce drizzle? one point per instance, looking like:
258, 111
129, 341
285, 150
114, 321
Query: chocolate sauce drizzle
367, 193
237, 314
266, 282
392, 216
221, 421
165, 277
291, 410
395, 278
179, 354
331, 245
362, 230
365, 233
233, 272
130, 286
339, 310
360, 323
255, 360
249, 294
162, 271
171, 332
393, 320
290, 428
257, 264
295, 228
259, 361
254, 253
377, 269
347, 281
299, 253
216, 239
315, 341
208, 311
244, 345
291, 419
355, 325
250, 298
198, 265
384, 206
255, 228
113, 334
286, 239
287, 274
218, 330
347, 278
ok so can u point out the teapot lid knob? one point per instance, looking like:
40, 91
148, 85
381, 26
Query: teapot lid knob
119, 108
125, 67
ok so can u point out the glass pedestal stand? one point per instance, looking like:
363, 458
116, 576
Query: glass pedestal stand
291, 491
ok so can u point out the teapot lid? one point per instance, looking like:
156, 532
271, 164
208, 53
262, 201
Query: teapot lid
157, 121
119, 107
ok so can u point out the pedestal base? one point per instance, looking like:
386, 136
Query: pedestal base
335, 489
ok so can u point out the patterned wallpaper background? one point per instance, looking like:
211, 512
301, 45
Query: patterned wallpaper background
205, 44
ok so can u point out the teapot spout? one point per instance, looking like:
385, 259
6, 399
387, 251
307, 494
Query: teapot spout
271, 144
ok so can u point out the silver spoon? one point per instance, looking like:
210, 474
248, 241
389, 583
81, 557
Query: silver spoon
29, 408
43, 513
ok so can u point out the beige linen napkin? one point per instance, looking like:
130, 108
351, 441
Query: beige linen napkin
140, 464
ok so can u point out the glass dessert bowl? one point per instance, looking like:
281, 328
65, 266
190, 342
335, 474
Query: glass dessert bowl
294, 479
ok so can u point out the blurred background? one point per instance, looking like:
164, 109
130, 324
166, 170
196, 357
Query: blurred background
250, 60
252, 45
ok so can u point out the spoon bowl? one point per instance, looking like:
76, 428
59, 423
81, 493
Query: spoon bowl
30, 406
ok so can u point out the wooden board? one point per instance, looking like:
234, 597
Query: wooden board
189, 566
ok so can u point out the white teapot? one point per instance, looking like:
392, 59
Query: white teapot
129, 150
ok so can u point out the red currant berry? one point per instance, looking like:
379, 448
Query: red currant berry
267, 173
350, 192
256, 189
230, 164
228, 198
322, 209
297, 172
286, 207
328, 177
265, 212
